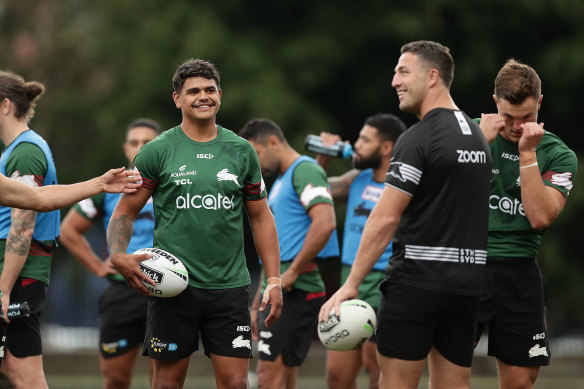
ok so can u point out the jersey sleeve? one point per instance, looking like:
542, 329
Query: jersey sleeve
27, 163
407, 162
91, 208
310, 184
254, 188
561, 171
147, 163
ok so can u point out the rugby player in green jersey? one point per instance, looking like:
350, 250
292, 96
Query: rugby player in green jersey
200, 176
27, 238
533, 172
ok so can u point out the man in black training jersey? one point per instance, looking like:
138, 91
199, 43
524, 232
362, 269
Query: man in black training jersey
434, 206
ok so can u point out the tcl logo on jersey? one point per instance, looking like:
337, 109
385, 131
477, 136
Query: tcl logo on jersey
473, 156
207, 201
506, 205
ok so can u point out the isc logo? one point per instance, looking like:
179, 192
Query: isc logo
205, 156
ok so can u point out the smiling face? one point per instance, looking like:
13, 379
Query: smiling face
517, 114
410, 82
199, 99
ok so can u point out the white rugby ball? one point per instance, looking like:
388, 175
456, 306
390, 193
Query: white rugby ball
166, 270
356, 324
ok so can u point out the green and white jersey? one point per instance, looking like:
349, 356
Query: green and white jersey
198, 192
510, 233
27, 163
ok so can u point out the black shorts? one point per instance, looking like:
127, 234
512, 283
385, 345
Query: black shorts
411, 320
122, 319
291, 334
513, 310
23, 335
220, 315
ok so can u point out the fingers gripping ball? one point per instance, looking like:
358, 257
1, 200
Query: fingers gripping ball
166, 270
356, 324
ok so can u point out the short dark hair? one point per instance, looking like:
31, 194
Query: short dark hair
516, 82
23, 94
389, 127
434, 55
194, 68
259, 130
144, 122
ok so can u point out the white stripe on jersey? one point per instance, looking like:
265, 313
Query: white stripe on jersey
88, 208
405, 172
446, 254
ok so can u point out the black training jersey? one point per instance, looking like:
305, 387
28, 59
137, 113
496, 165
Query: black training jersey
444, 163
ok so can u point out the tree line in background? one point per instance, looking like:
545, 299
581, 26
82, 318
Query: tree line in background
309, 66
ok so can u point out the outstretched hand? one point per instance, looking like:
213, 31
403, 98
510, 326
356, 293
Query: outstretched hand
121, 181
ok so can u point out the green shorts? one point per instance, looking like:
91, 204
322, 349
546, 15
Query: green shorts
369, 288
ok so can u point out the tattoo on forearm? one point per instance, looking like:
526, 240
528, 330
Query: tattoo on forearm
22, 224
119, 233
339, 188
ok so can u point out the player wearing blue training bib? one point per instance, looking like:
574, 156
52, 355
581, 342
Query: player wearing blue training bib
303, 208
361, 188
122, 310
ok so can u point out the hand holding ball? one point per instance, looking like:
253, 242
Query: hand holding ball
166, 270
354, 326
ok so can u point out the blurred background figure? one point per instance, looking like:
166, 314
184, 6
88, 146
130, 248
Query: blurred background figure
360, 188
122, 310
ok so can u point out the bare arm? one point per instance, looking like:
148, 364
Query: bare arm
322, 226
17, 246
73, 230
340, 185
119, 234
542, 204
48, 198
378, 232
265, 236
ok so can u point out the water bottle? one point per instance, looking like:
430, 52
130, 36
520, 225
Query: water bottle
338, 150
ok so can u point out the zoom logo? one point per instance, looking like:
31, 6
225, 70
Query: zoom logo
474, 156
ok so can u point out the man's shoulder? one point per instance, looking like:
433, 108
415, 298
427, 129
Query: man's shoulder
234, 140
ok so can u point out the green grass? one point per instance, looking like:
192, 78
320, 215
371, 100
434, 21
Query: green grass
307, 382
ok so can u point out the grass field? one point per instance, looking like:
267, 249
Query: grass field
81, 371
306, 382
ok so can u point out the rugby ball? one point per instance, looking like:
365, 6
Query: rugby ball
166, 270
349, 330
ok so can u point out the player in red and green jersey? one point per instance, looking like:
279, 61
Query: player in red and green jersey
122, 310
533, 172
304, 211
26, 237
200, 176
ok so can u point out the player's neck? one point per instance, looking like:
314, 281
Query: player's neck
436, 98
11, 129
380, 172
287, 158
200, 131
